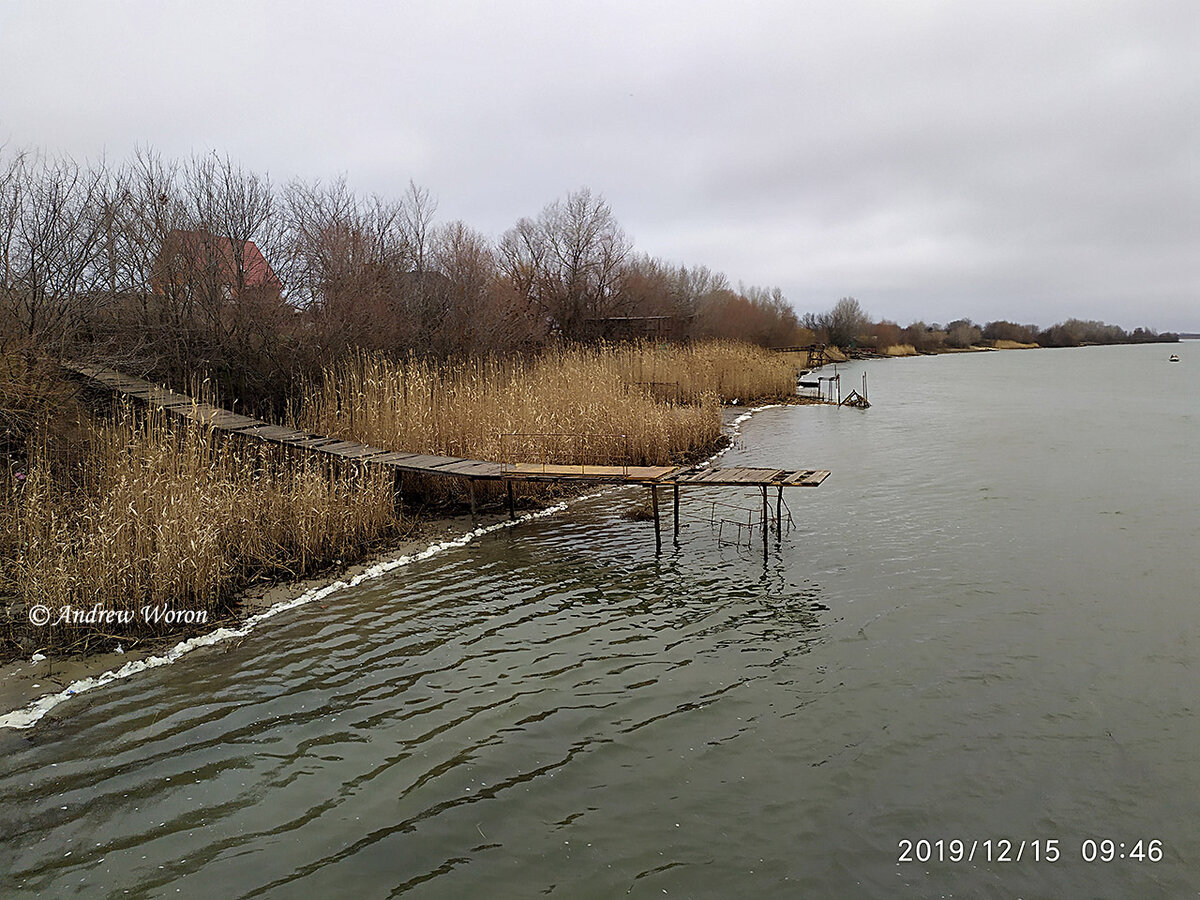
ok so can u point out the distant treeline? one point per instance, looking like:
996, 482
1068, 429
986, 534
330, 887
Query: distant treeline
849, 326
963, 333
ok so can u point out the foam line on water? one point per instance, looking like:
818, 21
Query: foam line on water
30, 715
735, 431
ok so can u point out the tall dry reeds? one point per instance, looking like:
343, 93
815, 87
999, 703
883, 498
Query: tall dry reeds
164, 512
564, 403
729, 369
639, 404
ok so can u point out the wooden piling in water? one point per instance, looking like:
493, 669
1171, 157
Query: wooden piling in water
657, 527
766, 525
675, 514
512, 507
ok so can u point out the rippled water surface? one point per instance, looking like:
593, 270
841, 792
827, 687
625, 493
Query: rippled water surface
984, 626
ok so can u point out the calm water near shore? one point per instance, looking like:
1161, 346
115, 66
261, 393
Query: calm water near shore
985, 627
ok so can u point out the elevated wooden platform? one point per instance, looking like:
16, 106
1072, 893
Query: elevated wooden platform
471, 470
429, 464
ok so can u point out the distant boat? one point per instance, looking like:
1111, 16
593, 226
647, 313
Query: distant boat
1174, 357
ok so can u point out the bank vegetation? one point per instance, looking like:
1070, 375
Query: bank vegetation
358, 316
126, 508
848, 326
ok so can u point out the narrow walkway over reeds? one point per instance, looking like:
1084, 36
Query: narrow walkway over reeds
471, 470
425, 464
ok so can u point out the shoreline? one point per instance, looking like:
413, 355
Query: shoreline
31, 687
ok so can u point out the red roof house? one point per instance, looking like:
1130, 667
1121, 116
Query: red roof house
199, 260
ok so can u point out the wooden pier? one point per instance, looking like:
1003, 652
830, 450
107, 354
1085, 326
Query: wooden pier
470, 470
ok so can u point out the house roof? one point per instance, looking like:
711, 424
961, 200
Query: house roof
201, 246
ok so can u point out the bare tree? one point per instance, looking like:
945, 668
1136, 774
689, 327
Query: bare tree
567, 261
963, 333
843, 324
350, 259
483, 312
417, 210
50, 231
11, 200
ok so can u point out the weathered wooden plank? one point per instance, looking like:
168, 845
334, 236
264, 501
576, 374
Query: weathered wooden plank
363, 452
473, 468
254, 429
423, 462
452, 462
740, 476
393, 457
162, 396
339, 448
805, 478
758, 475
707, 475
178, 402
311, 441
650, 473
278, 434
225, 421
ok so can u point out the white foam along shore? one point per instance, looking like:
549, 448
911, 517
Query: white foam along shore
30, 715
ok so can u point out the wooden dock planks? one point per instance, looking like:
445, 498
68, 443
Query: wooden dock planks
430, 464
616, 474
745, 476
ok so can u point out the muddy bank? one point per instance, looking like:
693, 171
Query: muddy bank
22, 681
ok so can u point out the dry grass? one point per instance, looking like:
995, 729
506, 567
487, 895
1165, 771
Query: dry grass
165, 512
152, 510
728, 369
638, 404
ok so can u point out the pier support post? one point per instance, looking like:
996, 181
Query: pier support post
766, 524
512, 508
675, 516
657, 527
397, 493
471, 491
779, 515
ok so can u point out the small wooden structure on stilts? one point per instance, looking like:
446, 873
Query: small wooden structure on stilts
854, 398
472, 470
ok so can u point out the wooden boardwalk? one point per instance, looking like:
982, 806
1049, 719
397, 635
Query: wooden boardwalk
471, 470
428, 464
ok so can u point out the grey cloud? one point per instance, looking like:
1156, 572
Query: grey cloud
1029, 160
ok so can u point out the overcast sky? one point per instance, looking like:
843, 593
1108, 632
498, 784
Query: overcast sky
1021, 160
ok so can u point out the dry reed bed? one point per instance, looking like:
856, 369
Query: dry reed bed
730, 370
158, 511
163, 512
639, 404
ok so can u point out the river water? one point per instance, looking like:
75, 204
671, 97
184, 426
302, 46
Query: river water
984, 627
